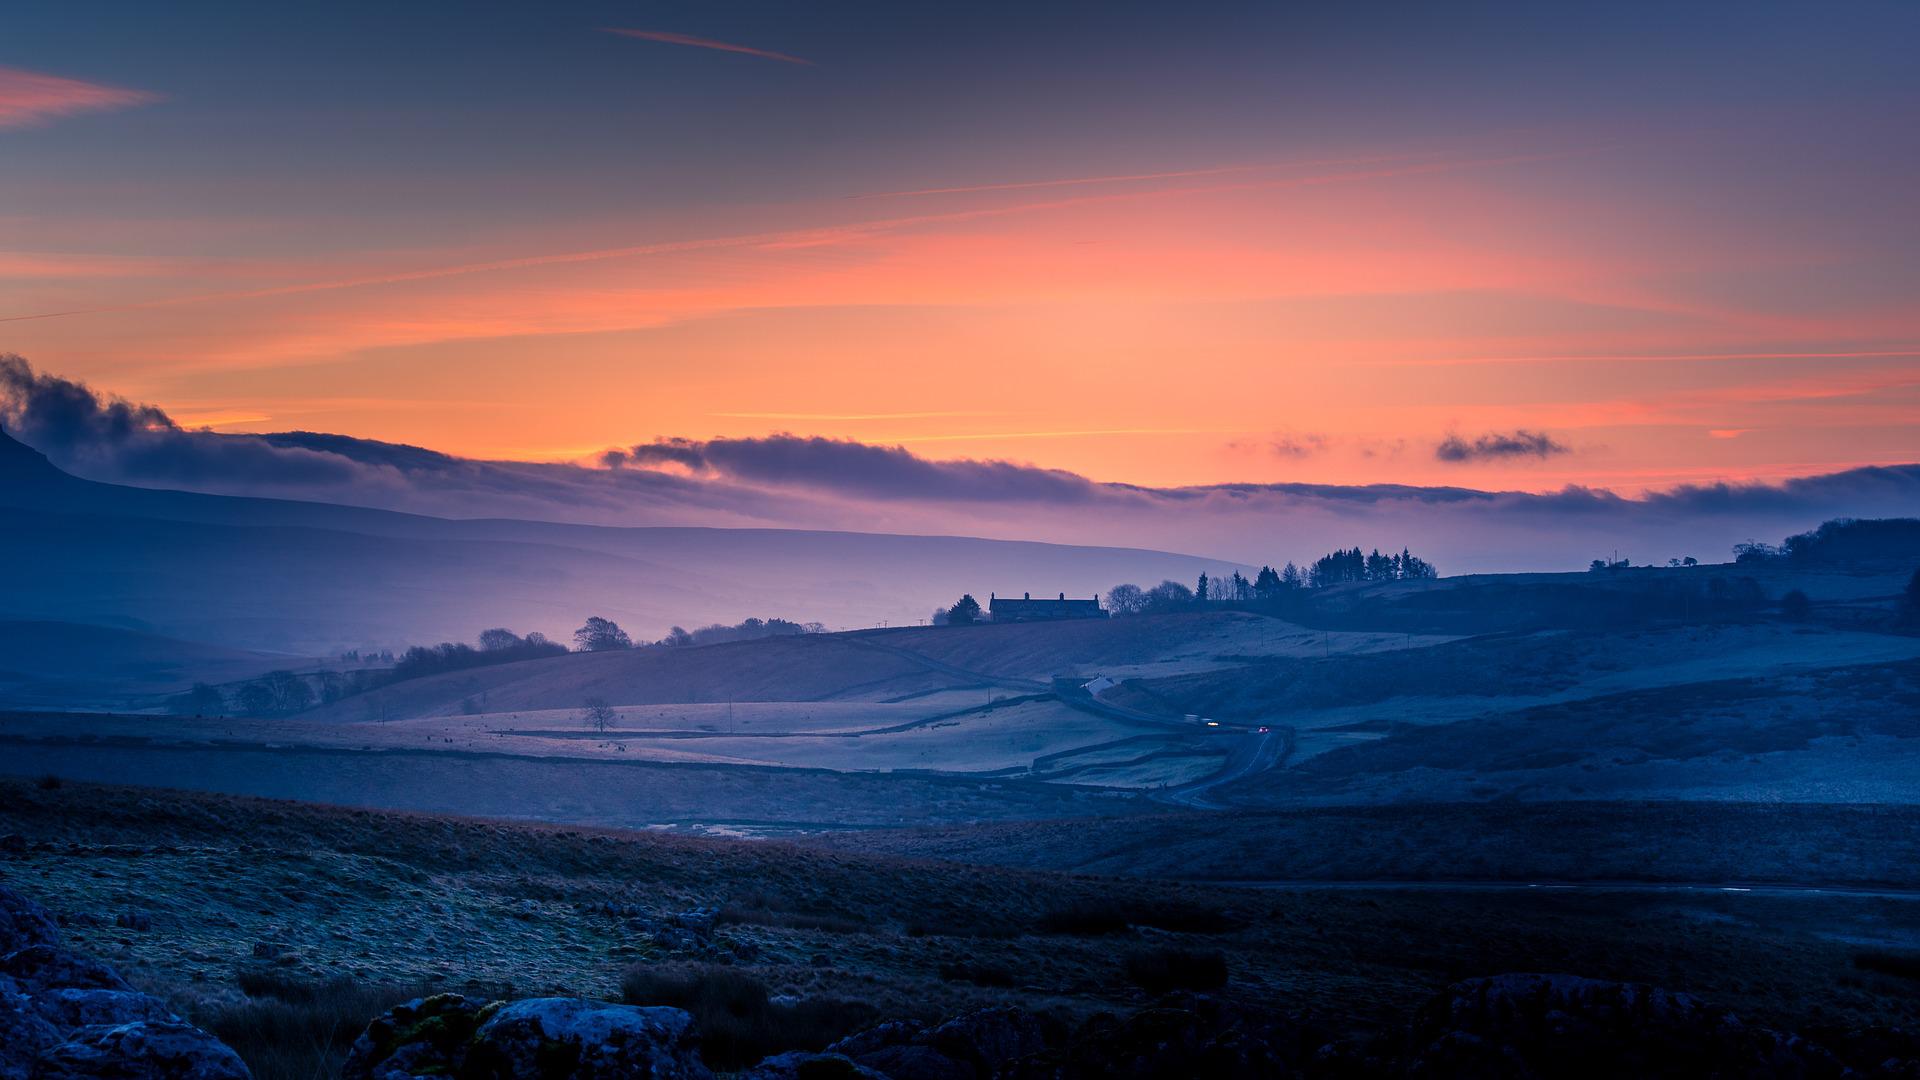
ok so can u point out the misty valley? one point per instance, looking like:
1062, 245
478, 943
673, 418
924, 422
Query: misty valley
1283, 813
757, 540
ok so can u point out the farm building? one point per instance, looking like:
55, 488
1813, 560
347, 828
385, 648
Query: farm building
1027, 609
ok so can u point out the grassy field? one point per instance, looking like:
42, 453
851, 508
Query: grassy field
1848, 846
631, 794
247, 901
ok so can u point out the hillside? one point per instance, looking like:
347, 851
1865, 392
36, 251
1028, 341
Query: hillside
311, 578
875, 666
275, 925
78, 666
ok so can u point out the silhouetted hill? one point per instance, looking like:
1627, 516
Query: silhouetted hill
71, 664
311, 578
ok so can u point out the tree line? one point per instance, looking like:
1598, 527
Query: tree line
1269, 585
283, 693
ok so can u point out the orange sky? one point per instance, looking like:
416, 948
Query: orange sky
1161, 312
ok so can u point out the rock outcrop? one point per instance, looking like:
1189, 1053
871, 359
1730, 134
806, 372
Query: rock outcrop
1523, 1026
452, 1038
64, 1016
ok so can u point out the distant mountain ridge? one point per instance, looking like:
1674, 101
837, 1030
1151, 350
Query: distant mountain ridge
311, 578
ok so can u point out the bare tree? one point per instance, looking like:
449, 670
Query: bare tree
599, 715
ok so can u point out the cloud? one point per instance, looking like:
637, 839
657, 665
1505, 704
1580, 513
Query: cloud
29, 99
704, 43
1497, 446
107, 438
1298, 446
855, 468
72, 424
794, 481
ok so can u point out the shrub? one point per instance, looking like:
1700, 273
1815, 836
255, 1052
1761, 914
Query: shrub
738, 1021
48, 782
1094, 917
290, 1029
1159, 971
1905, 965
753, 915
1796, 606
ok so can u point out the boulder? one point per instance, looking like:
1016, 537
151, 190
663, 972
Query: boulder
39, 968
23, 923
891, 1033
24, 1035
804, 1066
915, 1062
68, 1009
1523, 1026
143, 1050
425, 1037
1183, 1035
990, 1038
972, 1047
585, 1040
699, 921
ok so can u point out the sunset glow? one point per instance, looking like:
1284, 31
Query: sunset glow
538, 234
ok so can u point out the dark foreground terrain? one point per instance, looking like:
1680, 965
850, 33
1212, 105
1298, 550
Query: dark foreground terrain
283, 928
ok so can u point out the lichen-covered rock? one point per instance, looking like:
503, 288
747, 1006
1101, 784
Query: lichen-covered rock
990, 1038
144, 1050
1524, 1026
804, 1066
915, 1062
425, 1037
23, 923
39, 968
891, 1033
585, 1040
24, 1034
68, 1008
1183, 1035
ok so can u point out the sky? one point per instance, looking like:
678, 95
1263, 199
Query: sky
1509, 247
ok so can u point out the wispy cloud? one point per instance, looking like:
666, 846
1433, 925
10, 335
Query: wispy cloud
668, 38
1498, 446
1077, 433
1633, 358
1298, 446
781, 240
845, 416
1124, 178
29, 99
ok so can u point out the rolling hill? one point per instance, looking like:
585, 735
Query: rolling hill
78, 666
312, 578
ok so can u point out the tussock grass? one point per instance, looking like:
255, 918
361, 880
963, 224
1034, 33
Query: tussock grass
738, 1020
288, 1029
1159, 971
1089, 918
1880, 961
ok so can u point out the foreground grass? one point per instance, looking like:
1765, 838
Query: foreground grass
283, 926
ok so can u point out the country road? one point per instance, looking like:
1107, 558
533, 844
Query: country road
1262, 751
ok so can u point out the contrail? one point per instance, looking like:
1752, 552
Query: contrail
704, 43
1123, 178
